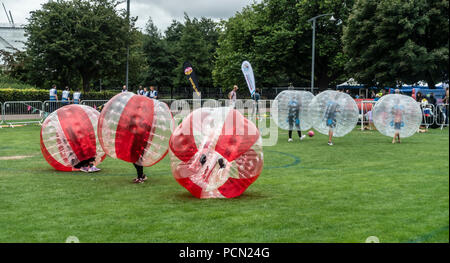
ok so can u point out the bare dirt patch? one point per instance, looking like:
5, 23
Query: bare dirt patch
17, 157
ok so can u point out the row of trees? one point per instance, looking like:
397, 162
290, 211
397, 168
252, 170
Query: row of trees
377, 42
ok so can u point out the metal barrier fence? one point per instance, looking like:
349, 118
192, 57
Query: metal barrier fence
94, 103
428, 115
441, 115
22, 112
51, 106
365, 113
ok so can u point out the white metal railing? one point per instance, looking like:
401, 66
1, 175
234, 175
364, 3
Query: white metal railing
441, 115
22, 112
96, 104
428, 114
50, 106
365, 113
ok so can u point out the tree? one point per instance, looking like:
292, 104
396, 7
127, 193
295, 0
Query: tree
158, 57
398, 41
196, 43
330, 58
78, 37
275, 37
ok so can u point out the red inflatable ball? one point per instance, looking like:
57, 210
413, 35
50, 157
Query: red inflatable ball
69, 136
216, 153
135, 129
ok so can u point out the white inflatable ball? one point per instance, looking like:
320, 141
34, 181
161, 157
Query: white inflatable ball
397, 113
292, 106
333, 110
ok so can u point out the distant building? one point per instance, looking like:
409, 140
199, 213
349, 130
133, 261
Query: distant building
12, 38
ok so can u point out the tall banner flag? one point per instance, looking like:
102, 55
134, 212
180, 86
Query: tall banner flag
190, 74
248, 74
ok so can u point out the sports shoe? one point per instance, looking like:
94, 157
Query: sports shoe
144, 178
138, 181
84, 169
290, 140
330, 143
93, 169
303, 137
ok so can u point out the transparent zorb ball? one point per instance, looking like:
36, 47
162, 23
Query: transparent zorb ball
399, 113
69, 136
292, 108
333, 110
216, 153
135, 129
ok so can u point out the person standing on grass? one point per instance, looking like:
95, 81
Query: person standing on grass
53, 98
419, 96
65, 97
124, 88
330, 116
145, 92
140, 91
141, 177
76, 97
432, 99
256, 96
293, 118
398, 120
153, 94
232, 96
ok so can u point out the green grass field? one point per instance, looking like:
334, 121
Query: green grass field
308, 192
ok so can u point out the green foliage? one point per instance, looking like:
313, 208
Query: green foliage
78, 39
275, 37
195, 41
8, 82
398, 41
159, 59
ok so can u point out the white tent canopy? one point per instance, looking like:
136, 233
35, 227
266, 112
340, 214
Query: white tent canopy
350, 82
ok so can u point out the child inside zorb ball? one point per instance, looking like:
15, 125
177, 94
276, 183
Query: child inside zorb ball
216, 153
292, 108
397, 116
333, 113
135, 129
69, 139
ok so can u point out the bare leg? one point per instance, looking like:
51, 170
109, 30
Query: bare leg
330, 135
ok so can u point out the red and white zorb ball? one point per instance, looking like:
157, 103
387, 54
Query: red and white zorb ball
69, 136
216, 153
135, 129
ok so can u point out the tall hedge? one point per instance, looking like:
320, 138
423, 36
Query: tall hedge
14, 94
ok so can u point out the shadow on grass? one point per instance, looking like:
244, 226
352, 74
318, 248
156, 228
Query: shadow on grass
246, 196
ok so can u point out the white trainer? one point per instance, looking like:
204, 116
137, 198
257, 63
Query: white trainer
303, 137
290, 140
93, 169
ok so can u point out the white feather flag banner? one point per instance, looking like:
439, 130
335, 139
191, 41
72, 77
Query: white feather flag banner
249, 77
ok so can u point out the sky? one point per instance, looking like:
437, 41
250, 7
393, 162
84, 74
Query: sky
161, 11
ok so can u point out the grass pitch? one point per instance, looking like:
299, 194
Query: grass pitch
308, 192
